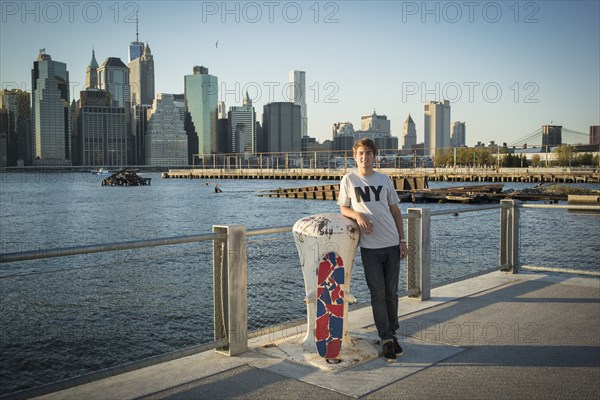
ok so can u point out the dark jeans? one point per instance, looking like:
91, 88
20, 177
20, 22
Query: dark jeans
382, 270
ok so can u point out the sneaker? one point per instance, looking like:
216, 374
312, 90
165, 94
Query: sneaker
397, 348
388, 351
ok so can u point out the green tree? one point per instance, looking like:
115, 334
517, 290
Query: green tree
564, 155
483, 156
585, 159
464, 156
443, 157
536, 160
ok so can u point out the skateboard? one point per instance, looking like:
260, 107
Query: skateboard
329, 322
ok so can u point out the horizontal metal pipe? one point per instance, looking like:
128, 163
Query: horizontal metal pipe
99, 248
559, 270
582, 207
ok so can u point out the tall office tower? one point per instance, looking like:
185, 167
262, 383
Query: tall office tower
595, 134
91, 73
297, 95
458, 135
436, 126
51, 139
223, 135
101, 130
282, 127
221, 110
166, 140
138, 126
242, 125
141, 78
551, 137
375, 123
15, 108
409, 134
201, 98
141, 82
113, 76
179, 101
136, 48
4, 136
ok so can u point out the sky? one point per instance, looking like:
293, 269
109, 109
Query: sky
507, 67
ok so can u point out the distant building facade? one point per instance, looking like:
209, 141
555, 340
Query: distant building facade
281, 127
15, 127
458, 134
409, 134
201, 101
436, 126
141, 78
91, 73
242, 127
100, 132
166, 139
375, 123
297, 95
51, 120
113, 76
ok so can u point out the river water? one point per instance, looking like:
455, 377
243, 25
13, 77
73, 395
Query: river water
68, 316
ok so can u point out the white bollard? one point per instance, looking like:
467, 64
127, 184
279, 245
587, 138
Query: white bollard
330, 240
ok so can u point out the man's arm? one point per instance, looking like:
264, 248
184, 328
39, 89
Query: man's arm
397, 214
362, 220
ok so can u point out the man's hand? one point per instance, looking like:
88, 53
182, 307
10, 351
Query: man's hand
364, 223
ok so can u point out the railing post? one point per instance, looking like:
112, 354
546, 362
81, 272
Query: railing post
419, 255
230, 289
509, 236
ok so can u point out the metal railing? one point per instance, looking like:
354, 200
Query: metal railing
239, 278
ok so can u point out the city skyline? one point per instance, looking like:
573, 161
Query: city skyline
506, 68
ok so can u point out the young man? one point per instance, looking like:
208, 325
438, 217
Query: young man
369, 198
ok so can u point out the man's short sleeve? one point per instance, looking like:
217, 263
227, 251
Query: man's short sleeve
343, 197
392, 195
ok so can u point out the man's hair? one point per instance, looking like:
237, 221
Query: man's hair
365, 142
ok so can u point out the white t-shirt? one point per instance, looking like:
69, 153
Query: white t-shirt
372, 195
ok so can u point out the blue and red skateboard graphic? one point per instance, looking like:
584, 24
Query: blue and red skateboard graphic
330, 306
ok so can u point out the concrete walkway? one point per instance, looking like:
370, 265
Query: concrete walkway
497, 336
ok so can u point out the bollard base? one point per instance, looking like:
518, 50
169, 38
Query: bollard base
363, 349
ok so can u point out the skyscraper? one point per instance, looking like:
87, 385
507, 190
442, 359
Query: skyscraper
113, 76
458, 134
141, 78
281, 127
51, 139
136, 48
297, 95
15, 109
375, 123
201, 98
242, 123
436, 126
409, 134
166, 140
141, 82
91, 73
101, 131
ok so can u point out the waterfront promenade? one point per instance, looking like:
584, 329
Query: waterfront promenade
535, 175
495, 336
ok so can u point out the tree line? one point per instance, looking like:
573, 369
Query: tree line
564, 156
